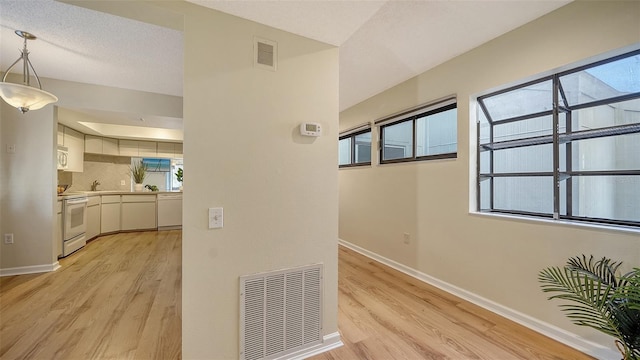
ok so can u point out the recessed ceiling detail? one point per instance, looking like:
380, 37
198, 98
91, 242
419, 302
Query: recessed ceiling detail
133, 132
122, 125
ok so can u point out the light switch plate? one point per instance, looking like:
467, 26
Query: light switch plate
216, 217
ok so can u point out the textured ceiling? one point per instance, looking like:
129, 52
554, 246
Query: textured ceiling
329, 21
382, 43
83, 45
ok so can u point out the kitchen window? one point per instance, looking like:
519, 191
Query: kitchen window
565, 146
425, 133
176, 164
161, 172
354, 147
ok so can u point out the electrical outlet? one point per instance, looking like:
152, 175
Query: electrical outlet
8, 238
11, 148
122, 182
407, 238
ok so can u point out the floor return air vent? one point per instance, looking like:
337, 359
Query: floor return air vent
280, 312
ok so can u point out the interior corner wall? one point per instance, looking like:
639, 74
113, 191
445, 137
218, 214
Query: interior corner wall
495, 258
243, 151
27, 193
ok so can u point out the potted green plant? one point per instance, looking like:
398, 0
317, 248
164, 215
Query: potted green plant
601, 299
178, 175
151, 187
138, 173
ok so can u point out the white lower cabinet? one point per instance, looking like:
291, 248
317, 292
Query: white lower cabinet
169, 210
93, 217
121, 213
138, 212
110, 214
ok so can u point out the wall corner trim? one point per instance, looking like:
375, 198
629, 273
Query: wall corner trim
554, 332
23, 270
329, 342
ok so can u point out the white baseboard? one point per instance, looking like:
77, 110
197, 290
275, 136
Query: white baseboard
329, 342
22, 270
554, 332
177, 227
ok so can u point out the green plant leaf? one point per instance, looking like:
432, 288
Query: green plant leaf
603, 269
598, 299
139, 172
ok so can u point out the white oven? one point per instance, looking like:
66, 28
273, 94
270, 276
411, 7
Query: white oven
74, 219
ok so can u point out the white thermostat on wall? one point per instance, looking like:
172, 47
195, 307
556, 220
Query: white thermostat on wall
310, 129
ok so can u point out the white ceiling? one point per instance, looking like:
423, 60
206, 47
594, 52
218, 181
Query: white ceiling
83, 45
382, 43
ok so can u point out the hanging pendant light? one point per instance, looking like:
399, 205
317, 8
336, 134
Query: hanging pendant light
23, 96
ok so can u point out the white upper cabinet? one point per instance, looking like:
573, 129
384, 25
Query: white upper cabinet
110, 146
99, 145
128, 147
74, 141
92, 144
137, 148
165, 150
178, 152
147, 148
169, 150
60, 135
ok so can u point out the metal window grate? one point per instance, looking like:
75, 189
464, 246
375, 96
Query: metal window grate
594, 181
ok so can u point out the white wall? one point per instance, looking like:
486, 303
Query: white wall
27, 195
493, 257
243, 152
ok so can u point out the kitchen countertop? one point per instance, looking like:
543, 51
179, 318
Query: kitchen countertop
75, 194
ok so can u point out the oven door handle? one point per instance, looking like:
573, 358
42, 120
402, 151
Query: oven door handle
77, 201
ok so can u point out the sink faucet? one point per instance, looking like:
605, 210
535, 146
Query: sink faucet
94, 185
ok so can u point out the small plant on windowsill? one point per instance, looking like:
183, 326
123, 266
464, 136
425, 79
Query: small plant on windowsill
151, 187
138, 172
600, 298
178, 175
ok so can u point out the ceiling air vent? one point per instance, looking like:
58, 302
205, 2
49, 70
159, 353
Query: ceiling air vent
265, 54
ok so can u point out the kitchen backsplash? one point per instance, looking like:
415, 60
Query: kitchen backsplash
108, 170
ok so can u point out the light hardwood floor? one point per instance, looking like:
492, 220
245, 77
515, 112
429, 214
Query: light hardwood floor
120, 298
385, 314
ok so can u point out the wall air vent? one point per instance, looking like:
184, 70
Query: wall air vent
280, 312
265, 54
